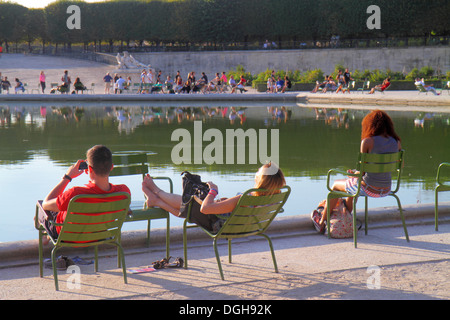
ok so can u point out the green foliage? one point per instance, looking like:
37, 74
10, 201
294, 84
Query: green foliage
238, 72
312, 76
425, 72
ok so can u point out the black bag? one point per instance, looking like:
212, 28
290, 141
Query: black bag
193, 186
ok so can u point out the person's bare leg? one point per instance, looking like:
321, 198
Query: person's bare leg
154, 201
339, 185
171, 199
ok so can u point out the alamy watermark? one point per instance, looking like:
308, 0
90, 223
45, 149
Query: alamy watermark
74, 21
374, 280
221, 150
374, 21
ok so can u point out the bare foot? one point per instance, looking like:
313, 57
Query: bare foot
150, 197
148, 182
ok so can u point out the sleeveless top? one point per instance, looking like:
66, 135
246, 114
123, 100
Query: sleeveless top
381, 145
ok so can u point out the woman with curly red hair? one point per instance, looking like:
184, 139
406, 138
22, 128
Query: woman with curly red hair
377, 136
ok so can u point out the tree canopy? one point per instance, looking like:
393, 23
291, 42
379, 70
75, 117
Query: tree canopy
219, 21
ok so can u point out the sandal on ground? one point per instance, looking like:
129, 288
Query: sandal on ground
62, 263
178, 263
315, 217
161, 263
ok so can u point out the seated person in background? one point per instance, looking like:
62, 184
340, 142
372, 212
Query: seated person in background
187, 86
178, 84
381, 87
5, 84
377, 136
240, 85
78, 85
201, 84
232, 83
279, 84
99, 166
128, 83
169, 84
214, 83
426, 87
287, 84
264, 179
330, 85
269, 85
19, 86
320, 85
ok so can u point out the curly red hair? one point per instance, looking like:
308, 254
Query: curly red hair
378, 123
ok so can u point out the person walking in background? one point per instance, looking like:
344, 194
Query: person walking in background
66, 81
107, 80
42, 81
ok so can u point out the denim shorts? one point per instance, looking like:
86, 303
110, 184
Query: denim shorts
351, 186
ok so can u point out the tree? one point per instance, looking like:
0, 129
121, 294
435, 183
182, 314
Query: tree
11, 23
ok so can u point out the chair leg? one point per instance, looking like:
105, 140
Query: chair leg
274, 259
55, 271
148, 232
366, 215
41, 254
122, 259
168, 236
402, 216
436, 219
185, 245
355, 230
96, 258
218, 258
229, 250
328, 216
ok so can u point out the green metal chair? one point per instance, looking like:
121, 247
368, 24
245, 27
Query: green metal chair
374, 163
365, 85
127, 164
91, 220
421, 89
252, 216
442, 185
446, 86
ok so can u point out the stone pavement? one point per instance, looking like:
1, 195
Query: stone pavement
311, 266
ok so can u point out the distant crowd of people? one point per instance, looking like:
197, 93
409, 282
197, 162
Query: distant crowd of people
151, 83
64, 87
276, 84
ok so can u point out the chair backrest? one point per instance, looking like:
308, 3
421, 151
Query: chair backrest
130, 164
94, 219
381, 163
421, 87
253, 214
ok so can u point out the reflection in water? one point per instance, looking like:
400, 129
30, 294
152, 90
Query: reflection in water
39, 142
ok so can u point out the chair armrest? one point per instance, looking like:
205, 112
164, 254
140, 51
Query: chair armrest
342, 172
39, 208
438, 175
165, 178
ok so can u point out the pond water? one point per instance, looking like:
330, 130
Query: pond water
38, 143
